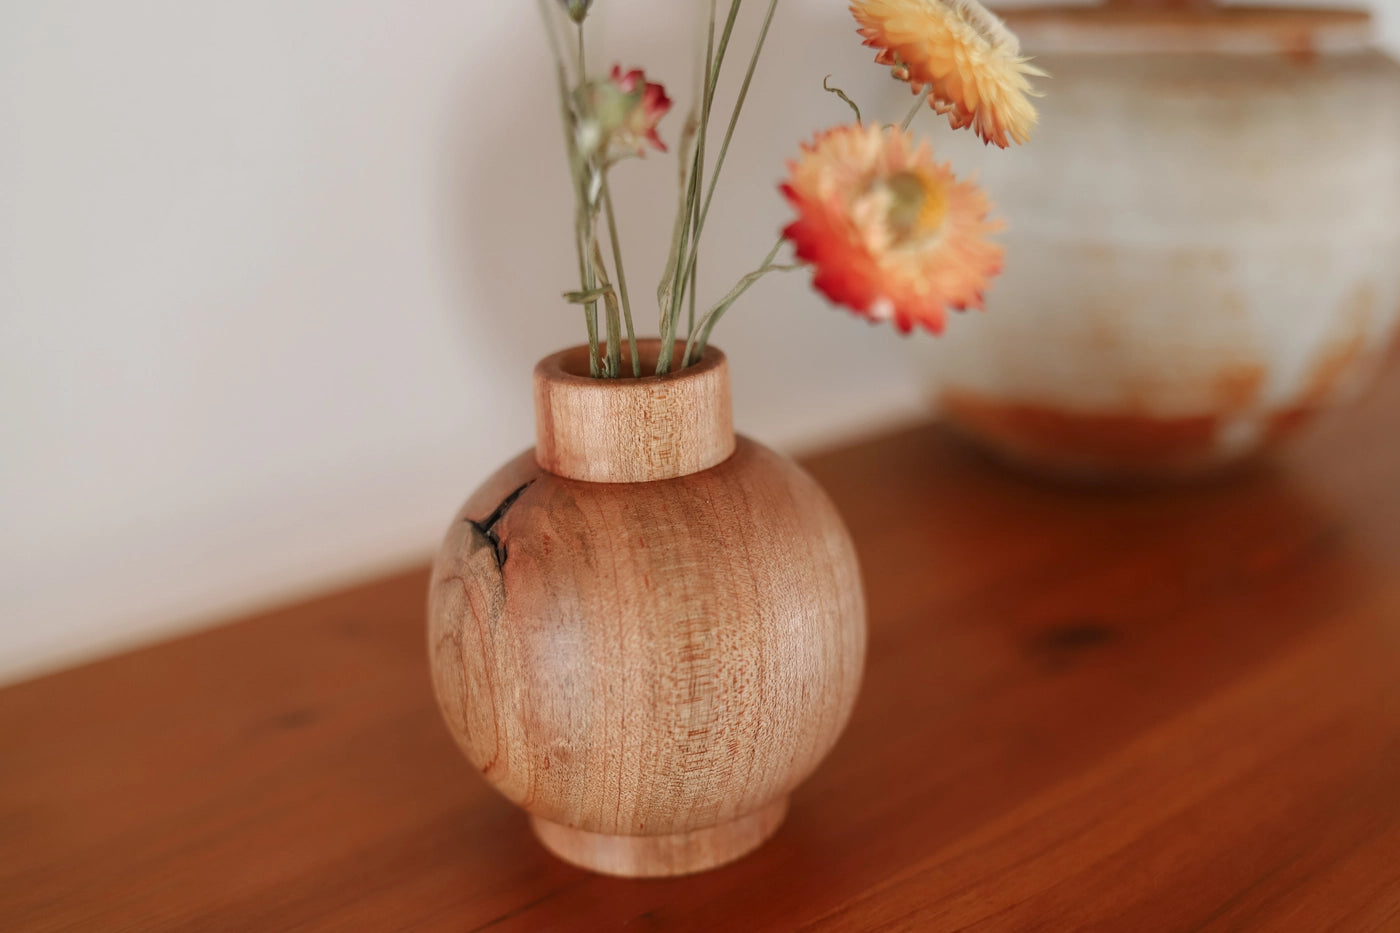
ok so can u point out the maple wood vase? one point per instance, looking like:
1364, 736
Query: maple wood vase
646, 631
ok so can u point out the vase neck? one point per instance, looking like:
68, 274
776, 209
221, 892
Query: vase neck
632, 430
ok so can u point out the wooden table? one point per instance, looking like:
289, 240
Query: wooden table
1124, 711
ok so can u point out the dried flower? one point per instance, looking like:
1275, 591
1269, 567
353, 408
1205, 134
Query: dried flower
577, 9
891, 234
970, 63
621, 114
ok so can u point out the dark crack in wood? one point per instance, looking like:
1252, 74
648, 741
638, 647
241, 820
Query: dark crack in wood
487, 528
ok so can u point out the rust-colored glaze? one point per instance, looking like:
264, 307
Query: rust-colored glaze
1350, 351
1285, 423
1237, 388
1085, 443
1177, 709
1333, 368
1134, 445
1332, 373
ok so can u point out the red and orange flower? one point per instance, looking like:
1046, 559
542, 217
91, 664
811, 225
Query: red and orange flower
891, 233
959, 54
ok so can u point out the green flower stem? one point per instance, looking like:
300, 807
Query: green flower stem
690, 312
733, 122
593, 251
590, 310
592, 266
673, 289
688, 281
612, 367
913, 112
663, 288
832, 89
621, 276
695, 346
669, 321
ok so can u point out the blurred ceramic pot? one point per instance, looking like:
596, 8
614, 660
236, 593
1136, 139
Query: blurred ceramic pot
646, 631
1203, 245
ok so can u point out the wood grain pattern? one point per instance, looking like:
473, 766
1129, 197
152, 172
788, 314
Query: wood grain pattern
648, 668
1151, 712
632, 430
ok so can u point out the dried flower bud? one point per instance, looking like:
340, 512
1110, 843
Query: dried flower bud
577, 9
620, 115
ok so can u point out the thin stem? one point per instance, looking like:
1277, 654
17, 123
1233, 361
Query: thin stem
723, 47
695, 346
913, 112
670, 310
832, 89
613, 367
688, 283
690, 312
697, 349
663, 288
738, 107
729, 135
591, 173
591, 268
621, 275
590, 309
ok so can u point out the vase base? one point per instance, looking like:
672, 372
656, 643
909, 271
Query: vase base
662, 856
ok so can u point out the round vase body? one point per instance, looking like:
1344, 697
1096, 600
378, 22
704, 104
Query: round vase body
1201, 245
648, 667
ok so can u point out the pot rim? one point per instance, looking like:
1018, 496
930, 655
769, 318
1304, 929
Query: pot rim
571, 365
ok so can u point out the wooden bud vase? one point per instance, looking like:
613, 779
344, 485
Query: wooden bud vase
646, 632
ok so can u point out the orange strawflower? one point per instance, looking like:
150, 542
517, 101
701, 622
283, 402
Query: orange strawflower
892, 234
961, 55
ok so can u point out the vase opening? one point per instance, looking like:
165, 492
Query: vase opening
574, 361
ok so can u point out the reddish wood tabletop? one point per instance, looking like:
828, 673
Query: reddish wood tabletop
1174, 710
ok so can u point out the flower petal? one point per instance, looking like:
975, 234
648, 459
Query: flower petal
959, 53
889, 233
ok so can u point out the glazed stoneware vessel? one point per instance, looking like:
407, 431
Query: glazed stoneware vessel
646, 631
1204, 250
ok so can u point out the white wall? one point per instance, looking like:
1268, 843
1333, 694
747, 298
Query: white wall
273, 275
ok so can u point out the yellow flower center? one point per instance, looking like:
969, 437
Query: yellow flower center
917, 204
